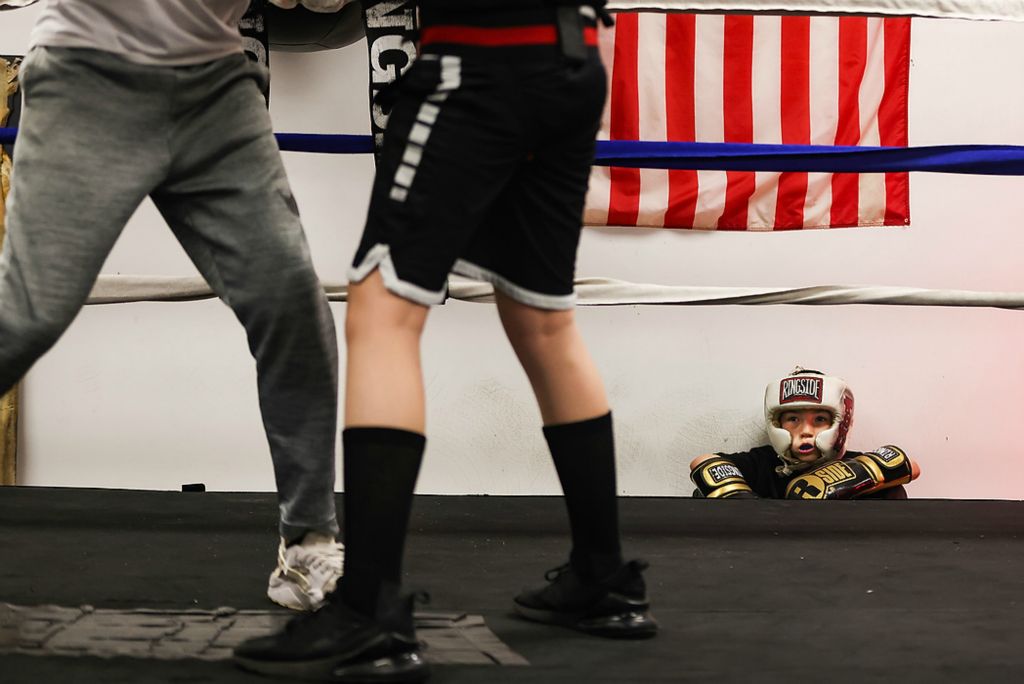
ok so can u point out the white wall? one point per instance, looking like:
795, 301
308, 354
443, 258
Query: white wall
156, 395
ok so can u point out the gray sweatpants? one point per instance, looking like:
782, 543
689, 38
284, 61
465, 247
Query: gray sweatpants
98, 134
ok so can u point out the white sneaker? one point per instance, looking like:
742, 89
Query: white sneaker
306, 572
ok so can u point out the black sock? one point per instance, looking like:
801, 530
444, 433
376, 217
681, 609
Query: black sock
380, 469
584, 456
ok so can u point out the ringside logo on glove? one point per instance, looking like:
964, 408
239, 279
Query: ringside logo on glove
717, 478
822, 482
891, 456
806, 487
722, 472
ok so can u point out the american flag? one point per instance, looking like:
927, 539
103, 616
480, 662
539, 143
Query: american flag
765, 79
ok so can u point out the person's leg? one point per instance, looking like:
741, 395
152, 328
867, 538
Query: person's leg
88, 153
383, 380
439, 172
529, 256
577, 425
551, 349
596, 592
383, 440
229, 203
365, 630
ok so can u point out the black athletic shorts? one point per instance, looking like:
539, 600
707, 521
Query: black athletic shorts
485, 165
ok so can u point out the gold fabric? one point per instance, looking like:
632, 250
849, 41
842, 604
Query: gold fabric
9, 401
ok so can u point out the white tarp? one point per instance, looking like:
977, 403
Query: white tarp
951, 9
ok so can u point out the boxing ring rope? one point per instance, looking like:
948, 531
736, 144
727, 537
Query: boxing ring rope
119, 289
1002, 160
962, 159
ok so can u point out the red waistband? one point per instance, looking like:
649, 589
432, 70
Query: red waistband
505, 36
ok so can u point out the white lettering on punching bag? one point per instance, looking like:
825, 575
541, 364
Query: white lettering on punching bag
391, 26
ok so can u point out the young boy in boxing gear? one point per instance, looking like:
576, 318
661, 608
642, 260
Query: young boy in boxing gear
129, 99
484, 170
808, 416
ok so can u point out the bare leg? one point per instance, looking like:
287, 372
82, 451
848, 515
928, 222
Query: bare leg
384, 378
552, 352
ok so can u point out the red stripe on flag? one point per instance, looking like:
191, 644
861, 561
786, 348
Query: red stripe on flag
624, 200
796, 117
738, 109
892, 116
680, 60
853, 45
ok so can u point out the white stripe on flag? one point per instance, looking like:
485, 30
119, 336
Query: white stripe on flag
767, 100
871, 209
653, 124
709, 123
824, 70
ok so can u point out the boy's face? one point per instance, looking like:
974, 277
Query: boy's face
803, 426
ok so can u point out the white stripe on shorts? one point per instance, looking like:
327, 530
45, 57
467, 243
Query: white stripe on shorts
451, 79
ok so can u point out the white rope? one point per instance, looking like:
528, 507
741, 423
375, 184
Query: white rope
1012, 10
117, 289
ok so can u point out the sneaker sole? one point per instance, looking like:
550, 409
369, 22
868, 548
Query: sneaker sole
407, 667
291, 597
638, 624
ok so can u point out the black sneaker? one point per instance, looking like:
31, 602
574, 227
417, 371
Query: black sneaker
338, 644
615, 606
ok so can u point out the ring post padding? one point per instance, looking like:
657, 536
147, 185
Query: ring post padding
9, 401
9, 437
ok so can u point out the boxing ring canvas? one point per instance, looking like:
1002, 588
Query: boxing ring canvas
766, 591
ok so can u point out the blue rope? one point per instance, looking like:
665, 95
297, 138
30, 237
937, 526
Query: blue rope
1001, 160
329, 144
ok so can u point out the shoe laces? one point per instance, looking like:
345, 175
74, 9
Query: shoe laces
324, 558
635, 565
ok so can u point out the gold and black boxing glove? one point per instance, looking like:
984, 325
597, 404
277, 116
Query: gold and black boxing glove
890, 466
719, 478
885, 467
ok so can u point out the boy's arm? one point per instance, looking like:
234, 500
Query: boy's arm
885, 467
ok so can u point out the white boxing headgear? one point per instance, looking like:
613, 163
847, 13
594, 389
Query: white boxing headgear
809, 389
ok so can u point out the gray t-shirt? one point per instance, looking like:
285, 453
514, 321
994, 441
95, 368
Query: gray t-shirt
161, 32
